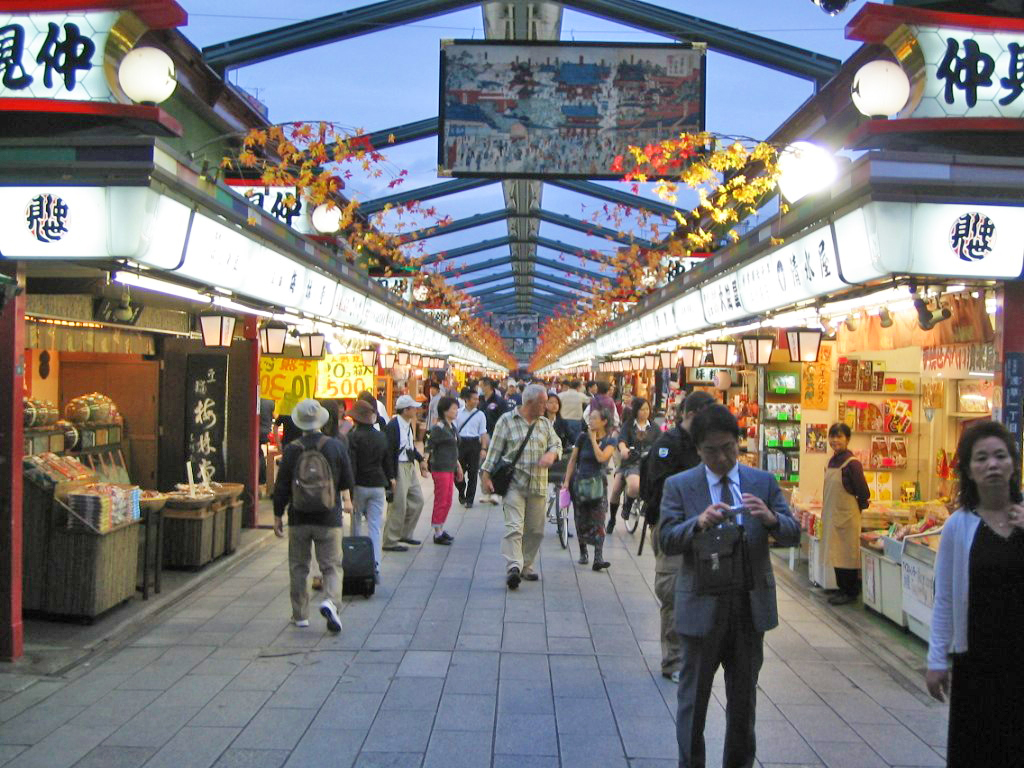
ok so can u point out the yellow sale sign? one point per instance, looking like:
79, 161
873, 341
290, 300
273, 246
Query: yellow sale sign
287, 380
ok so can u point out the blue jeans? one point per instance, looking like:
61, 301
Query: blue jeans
371, 503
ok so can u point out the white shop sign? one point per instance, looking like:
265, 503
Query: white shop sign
282, 202
969, 73
400, 287
721, 300
803, 269
961, 240
318, 296
688, 312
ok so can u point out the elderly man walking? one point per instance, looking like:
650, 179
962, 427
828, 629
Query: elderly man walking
523, 431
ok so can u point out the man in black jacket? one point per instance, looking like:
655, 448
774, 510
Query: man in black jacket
407, 503
307, 529
494, 407
374, 470
673, 452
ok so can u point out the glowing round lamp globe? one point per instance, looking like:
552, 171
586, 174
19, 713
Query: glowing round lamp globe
805, 168
146, 75
880, 89
327, 218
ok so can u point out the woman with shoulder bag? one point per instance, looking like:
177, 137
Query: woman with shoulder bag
443, 460
591, 454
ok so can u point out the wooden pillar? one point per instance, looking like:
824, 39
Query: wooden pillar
252, 474
12, 378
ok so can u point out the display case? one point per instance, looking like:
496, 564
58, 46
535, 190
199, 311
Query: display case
781, 419
918, 582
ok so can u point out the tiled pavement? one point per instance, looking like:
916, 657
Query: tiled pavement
445, 667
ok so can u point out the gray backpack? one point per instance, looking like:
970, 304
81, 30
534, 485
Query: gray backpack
313, 487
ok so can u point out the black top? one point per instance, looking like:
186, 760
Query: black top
266, 418
587, 464
853, 478
562, 430
673, 452
995, 600
442, 448
638, 440
291, 432
372, 463
337, 454
493, 407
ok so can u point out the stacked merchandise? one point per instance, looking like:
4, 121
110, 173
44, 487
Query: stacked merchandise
102, 506
56, 469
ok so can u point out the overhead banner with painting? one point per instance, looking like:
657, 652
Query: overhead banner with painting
540, 110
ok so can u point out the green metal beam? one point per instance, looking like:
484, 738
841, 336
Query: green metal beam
482, 280
420, 129
465, 250
423, 193
457, 225
601, 192
590, 228
326, 29
541, 261
815, 67
558, 245
562, 281
477, 267
538, 260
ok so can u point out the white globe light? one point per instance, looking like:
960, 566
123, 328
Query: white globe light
146, 75
880, 89
327, 218
804, 169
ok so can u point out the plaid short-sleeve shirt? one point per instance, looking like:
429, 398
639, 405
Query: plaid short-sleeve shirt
509, 433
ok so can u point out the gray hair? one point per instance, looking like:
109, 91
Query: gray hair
533, 392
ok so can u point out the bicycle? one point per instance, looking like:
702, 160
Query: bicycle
633, 521
558, 515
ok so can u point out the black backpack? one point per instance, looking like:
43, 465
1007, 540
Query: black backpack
313, 488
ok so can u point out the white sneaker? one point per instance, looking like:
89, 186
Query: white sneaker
330, 612
300, 622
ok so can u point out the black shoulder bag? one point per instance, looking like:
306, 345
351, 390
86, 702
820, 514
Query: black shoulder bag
720, 560
505, 470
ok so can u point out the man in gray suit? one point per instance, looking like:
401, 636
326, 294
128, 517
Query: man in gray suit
727, 629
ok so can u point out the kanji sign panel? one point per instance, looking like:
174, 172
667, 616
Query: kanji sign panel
206, 409
53, 222
721, 300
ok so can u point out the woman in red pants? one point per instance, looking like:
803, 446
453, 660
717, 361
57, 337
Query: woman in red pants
443, 461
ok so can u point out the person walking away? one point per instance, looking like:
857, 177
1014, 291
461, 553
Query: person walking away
433, 397
635, 439
726, 628
846, 493
314, 474
374, 470
524, 505
443, 462
978, 616
494, 407
585, 480
407, 504
573, 402
471, 428
673, 452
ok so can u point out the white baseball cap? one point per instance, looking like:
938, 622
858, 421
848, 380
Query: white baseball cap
406, 401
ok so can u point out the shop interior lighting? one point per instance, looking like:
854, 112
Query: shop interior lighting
160, 286
885, 317
804, 169
415, 360
311, 345
387, 360
804, 344
851, 322
666, 359
722, 352
217, 328
403, 358
220, 301
757, 350
62, 323
928, 318
273, 335
690, 356
369, 356
650, 362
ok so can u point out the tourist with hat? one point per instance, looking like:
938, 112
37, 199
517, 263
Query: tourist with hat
313, 475
407, 503
374, 471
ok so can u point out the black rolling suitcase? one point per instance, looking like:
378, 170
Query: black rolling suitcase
357, 565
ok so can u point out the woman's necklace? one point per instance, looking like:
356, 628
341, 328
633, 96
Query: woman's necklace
993, 521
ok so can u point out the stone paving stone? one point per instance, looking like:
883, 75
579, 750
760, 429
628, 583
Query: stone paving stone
648, 736
399, 731
63, 747
152, 727
897, 745
780, 742
525, 696
193, 748
524, 666
929, 725
389, 760
262, 675
413, 693
526, 761
425, 664
334, 747
275, 728
522, 637
116, 708
35, 724
576, 715
839, 755
220, 666
450, 749
465, 712
115, 757
349, 710
303, 691
10, 751
517, 734
857, 707
193, 691
818, 723
252, 758
231, 709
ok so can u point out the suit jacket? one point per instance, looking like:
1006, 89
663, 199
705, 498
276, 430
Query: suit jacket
684, 497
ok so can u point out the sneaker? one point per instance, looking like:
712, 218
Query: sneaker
301, 623
513, 578
440, 539
318, 583
448, 536
530, 575
329, 612
414, 542
395, 548
674, 677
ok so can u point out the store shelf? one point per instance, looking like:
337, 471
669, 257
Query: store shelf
964, 415
780, 421
840, 392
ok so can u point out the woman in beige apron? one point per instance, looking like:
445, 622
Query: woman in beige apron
846, 493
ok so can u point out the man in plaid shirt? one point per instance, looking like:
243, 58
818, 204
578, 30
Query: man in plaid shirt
523, 505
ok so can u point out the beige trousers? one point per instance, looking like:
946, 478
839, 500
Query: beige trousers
524, 527
665, 569
407, 505
327, 544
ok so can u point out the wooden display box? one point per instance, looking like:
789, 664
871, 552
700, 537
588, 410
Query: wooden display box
220, 516
233, 526
189, 537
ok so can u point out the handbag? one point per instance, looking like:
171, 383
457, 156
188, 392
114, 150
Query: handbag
720, 555
505, 470
590, 488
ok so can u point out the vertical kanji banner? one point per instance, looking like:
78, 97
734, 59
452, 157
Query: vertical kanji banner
206, 411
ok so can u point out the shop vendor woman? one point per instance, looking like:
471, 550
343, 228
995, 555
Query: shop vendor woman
846, 493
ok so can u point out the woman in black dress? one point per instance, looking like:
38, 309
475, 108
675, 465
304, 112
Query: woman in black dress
978, 616
590, 456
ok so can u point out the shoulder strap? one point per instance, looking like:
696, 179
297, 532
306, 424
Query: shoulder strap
522, 445
321, 442
468, 419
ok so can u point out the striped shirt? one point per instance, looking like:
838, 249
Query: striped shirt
509, 433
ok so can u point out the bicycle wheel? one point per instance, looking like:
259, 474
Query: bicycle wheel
563, 527
633, 521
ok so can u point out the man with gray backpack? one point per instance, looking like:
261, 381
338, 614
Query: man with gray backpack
313, 474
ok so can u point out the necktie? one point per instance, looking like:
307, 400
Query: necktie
726, 496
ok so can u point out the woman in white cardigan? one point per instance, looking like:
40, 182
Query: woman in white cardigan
978, 617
